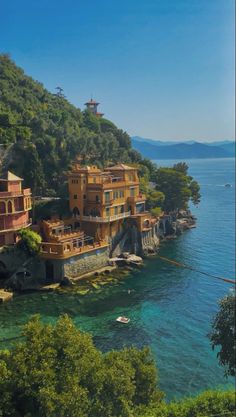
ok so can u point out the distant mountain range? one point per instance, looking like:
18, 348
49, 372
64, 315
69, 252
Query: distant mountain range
157, 149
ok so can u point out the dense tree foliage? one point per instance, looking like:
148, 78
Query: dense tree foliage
56, 371
223, 334
42, 132
177, 186
29, 241
207, 404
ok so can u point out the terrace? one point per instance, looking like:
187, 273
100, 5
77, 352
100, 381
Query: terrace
76, 246
107, 219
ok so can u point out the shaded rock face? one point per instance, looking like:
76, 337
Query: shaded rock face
135, 242
11, 258
29, 276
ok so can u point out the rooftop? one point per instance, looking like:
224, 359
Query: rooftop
9, 176
119, 167
91, 101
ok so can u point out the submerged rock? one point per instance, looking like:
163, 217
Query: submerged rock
66, 282
129, 259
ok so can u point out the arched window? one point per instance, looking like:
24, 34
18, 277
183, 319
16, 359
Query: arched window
9, 207
76, 212
2, 207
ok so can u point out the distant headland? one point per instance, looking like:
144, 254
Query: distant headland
157, 149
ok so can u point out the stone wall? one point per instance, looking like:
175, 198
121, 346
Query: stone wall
76, 266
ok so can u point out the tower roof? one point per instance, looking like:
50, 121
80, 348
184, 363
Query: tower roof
91, 101
9, 176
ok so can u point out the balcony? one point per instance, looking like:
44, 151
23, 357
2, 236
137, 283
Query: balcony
141, 198
104, 185
100, 203
107, 219
25, 192
51, 250
4, 194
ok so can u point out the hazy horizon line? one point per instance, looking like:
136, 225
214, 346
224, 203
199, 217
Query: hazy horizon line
184, 140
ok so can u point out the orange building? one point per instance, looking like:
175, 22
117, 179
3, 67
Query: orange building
105, 205
100, 200
15, 204
92, 106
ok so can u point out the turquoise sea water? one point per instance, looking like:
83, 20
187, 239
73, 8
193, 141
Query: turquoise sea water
170, 308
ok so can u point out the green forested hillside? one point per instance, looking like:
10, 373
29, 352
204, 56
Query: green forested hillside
41, 133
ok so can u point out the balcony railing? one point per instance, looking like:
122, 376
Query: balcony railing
137, 199
65, 250
100, 203
11, 193
25, 192
111, 184
107, 219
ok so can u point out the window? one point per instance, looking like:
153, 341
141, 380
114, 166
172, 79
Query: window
107, 212
94, 179
121, 194
84, 196
107, 196
75, 196
2, 207
116, 210
132, 192
9, 207
76, 211
115, 194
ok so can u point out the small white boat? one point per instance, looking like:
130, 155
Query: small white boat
124, 320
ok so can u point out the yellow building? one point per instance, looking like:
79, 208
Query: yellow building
105, 206
100, 200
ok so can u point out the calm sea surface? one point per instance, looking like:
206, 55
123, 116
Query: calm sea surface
170, 309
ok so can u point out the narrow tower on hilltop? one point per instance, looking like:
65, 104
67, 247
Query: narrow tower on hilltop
92, 106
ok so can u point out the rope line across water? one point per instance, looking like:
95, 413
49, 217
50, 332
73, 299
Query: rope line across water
180, 265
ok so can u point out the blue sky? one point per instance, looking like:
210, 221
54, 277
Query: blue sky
161, 69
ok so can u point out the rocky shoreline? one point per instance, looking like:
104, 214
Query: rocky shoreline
127, 254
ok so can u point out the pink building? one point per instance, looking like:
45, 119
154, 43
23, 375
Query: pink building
15, 204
